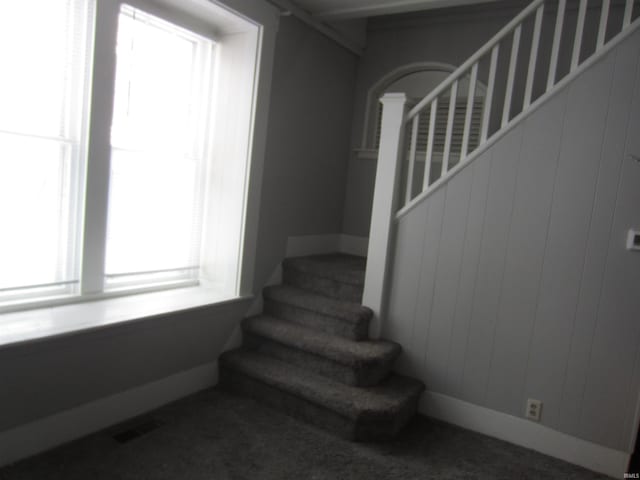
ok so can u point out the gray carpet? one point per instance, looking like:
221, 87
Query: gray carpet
361, 363
309, 354
215, 435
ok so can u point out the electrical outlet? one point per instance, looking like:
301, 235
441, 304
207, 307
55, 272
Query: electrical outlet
534, 409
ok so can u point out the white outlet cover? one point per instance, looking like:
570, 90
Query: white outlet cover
534, 409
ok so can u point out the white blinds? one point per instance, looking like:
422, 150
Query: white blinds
44, 58
156, 191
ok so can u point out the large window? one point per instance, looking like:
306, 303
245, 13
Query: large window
42, 144
163, 76
107, 148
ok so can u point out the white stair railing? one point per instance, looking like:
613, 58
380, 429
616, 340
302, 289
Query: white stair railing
504, 100
512, 89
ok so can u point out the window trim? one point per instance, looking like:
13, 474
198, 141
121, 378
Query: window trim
71, 136
263, 20
202, 79
84, 314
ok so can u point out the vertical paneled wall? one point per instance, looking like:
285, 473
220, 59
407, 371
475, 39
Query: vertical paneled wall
513, 280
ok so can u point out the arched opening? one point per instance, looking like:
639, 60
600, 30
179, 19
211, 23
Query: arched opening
417, 80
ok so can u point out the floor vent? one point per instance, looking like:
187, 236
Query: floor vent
135, 430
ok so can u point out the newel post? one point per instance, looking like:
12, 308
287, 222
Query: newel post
385, 198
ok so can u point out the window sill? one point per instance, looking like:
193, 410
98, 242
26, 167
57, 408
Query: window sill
44, 323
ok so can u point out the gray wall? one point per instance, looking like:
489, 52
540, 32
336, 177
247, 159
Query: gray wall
53, 375
513, 281
308, 141
393, 42
303, 190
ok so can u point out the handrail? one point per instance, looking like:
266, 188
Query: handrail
506, 30
445, 156
586, 64
512, 97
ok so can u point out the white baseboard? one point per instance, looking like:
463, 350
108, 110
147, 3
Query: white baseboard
32, 438
525, 433
329, 243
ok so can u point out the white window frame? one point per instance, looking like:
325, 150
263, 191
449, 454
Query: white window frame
247, 32
73, 137
199, 151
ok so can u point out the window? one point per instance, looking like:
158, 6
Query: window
113, 178
42, 145
163, 76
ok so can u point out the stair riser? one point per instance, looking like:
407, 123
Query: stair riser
323, 286
318, 321
369, 430
388, 428
367, 375
287, 403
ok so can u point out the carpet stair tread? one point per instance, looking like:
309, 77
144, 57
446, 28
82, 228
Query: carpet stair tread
344, 310
386, 400
355, 354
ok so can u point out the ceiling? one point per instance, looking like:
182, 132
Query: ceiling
347, 9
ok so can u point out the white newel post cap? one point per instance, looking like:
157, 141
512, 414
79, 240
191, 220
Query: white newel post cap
399, 98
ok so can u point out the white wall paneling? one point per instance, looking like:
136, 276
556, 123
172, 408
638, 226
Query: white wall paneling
404, 278
568, 231
611, 388
447, 281
428, 266
525, 251
463, 308
486, 294
513, 281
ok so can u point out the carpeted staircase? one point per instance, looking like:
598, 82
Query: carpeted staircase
309, 355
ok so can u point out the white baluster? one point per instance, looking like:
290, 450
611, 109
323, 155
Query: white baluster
447, 138
412, 158
577, 42
488, 99
430, 136
628, 9
555, 49
602, 28
471, 94
533, 57
513, 61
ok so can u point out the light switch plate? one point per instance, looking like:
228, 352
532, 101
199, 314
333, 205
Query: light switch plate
633, 240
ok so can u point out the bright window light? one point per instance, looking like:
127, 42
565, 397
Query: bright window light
161, 107
98, 202
42, 95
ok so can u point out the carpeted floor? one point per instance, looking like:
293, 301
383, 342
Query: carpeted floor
215, 435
